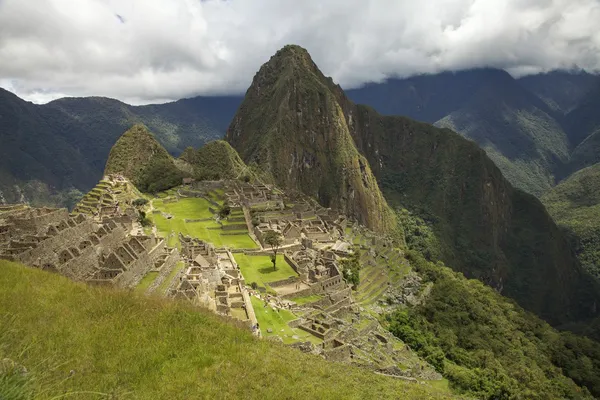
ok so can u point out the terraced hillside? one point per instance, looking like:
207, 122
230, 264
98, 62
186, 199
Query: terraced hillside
108, 194
382, 267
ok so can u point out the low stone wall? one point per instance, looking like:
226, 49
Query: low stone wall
327, 285
140, 267
163, 274
234, 227
284, 282
189, 221
338, 354
342, 303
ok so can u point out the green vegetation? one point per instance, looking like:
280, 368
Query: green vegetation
483, 227
277, 320
138, 156
164, 285
217, 160
351, 268
208, 229
273, 239
307, 299
146, 282
259, 269
119, 345
489, 347
575, 206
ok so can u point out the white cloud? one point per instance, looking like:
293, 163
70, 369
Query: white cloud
148, 50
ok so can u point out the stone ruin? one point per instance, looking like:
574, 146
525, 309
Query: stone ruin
212, 278
109, 198
80, 247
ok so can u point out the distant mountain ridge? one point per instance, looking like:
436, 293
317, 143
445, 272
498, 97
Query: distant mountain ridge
52, 149
521, 123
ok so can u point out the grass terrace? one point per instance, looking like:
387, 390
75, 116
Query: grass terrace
307, 299
146, 281
259, 269
208, 230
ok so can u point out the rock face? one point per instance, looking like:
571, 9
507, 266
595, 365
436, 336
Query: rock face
291, 125
301, 127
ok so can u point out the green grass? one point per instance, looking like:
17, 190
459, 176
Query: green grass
167, 281
307, 299
197, 208
126, 346
146, 281
259, 269
278, 322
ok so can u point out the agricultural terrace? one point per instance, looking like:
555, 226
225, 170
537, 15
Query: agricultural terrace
204, 226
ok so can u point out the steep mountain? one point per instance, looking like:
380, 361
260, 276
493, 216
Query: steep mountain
291, 125
51, 153
517, 129
561, 90
138, 156
216, 160
301, 127
586, 153
584, 120
575, 206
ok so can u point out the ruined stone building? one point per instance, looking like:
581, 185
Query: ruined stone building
78, 246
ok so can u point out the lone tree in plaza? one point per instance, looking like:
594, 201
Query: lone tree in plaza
274, 240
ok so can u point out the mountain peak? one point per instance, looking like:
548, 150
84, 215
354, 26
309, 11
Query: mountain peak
138, 156
292, 125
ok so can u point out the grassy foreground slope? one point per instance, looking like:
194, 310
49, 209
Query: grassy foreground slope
96, 343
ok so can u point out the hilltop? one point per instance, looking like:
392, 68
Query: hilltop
138, 156
292, 116
216, 160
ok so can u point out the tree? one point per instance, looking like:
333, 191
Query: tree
224, 211
139, 202
274, 240
351, 268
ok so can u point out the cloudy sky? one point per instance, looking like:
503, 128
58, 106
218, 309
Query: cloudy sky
143, 51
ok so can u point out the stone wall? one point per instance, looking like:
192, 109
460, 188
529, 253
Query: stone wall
284, 282
47, 250
36, 220
140, 267
339, 354
326, 285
